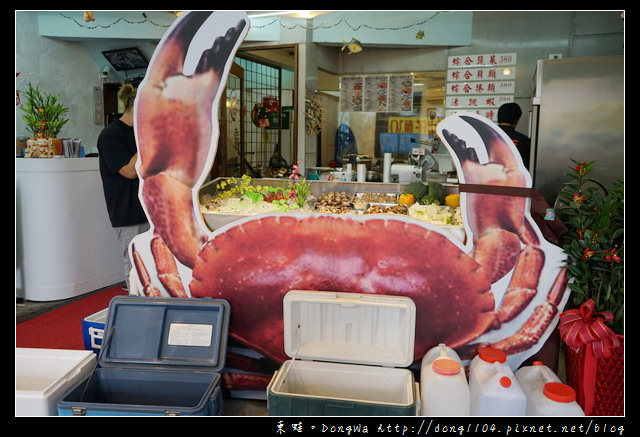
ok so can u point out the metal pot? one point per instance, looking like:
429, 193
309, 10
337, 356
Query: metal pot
373, 176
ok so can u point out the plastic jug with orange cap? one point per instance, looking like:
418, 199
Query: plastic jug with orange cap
493, 388
546, 394
443, 384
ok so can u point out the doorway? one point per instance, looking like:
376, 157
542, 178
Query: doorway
230, 157
112, 107
257, 116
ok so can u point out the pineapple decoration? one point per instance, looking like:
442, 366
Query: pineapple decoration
45, 117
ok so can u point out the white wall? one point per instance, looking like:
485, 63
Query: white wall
532, 35
68, 68
58, 67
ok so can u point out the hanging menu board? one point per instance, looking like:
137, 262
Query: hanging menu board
480, 83
401, 93
351, 93
376, 93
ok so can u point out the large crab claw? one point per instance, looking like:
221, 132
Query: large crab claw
175, 129
503, 168
503, 238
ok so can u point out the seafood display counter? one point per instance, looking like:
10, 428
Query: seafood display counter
333, 197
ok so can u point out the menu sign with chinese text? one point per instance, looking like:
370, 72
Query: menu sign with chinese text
351, 97
480, 83
483, 87
401, 93
376, 93
478, 102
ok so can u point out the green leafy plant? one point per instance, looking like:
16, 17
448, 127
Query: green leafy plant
44, 114
299, 185
594, 243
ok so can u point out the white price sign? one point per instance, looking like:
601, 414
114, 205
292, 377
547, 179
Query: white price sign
190, 334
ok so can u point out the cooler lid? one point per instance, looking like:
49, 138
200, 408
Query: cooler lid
167, 332
349, 327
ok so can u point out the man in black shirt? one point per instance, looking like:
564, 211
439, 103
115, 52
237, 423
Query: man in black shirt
117, 159
508, 116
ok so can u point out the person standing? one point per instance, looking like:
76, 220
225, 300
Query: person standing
117, 156
508, 116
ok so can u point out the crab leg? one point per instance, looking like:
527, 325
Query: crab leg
524, 282
148, 289
531, 331
167, 269
175, 134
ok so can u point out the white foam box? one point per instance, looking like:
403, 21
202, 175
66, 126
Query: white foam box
349, 352
44, 376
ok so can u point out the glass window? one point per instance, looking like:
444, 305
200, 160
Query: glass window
388, 129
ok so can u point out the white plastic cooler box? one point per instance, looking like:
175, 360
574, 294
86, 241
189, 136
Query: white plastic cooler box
348, 354
44, 376
159, 356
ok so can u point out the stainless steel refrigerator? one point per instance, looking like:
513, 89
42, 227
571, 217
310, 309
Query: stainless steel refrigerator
577, 113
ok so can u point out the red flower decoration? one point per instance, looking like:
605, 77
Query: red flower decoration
587, 253
581, 168
578, 198
612, 255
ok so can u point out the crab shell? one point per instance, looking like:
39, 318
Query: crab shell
254, 263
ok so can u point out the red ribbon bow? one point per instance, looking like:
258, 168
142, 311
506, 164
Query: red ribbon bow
585, 327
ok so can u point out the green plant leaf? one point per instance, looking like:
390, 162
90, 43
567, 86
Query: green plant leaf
600, 220
39, 107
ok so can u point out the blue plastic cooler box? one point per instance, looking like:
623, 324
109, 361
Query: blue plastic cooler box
93, 330
159, 356
348, 355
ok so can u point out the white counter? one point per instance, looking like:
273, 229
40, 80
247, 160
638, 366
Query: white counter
65, 245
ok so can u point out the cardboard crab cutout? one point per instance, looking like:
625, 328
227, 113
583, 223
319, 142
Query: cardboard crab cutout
504, 287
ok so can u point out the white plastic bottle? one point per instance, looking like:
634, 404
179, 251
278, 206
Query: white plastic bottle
493, 388
443, 384
441, 350
546, 394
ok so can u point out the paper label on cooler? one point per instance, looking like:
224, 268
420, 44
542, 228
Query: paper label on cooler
189, 334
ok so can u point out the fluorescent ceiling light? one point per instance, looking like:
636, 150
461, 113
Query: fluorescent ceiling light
273, 14
297, 14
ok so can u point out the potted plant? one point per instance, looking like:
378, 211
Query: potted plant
45, 117
592, 327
